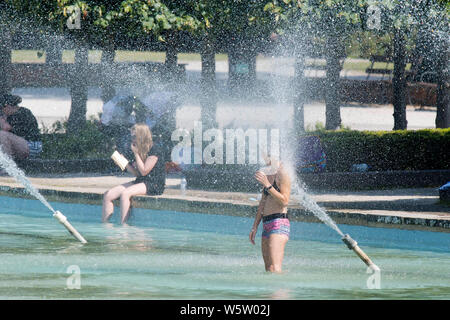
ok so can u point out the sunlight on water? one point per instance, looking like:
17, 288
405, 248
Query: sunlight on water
180, 255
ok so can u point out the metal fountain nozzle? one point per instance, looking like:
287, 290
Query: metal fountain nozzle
63, 220
353, 245
349, 241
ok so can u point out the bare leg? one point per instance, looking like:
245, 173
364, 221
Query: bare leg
14, 146
277, 243
109, 197
125, 198
266, 253
5, 143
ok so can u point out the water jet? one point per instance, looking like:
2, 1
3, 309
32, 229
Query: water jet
13, 170
353, 245
320, 213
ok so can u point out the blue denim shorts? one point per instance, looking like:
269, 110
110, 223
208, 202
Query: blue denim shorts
35, 148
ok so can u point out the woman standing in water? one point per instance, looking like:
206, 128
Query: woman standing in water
149, 168
272, 210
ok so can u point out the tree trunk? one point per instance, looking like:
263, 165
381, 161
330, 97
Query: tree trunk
399, 82
208, 98
54, 51
299, 94
171, 57
78, 91
171, 62
442, 93
5, 61
332, 86
107, 84
241, 67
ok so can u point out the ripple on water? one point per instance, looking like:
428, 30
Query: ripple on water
209, 257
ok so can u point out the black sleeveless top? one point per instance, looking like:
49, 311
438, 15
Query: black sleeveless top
155, 180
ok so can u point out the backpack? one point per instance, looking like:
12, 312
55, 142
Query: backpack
310, 155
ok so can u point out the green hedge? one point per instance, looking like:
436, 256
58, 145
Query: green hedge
381, 150
387, 150
88, 143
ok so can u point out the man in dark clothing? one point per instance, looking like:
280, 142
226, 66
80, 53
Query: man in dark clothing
19, 134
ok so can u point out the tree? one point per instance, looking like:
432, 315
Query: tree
443, 84
399, 81
5, 48
240, 28
237, 28
208, 98
331, 22
443, 69
296, 35
334, 21
105, 23
404, 19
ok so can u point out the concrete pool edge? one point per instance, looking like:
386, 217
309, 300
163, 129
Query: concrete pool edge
370, 218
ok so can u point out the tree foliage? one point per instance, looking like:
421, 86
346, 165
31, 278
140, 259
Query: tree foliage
110, 18
256, 20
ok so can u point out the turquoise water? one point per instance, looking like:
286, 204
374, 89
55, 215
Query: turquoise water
179, 255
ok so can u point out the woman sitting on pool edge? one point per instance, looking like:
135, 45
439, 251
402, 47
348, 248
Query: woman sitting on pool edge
149, 168
272, 210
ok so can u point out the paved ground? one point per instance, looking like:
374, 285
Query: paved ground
386, 207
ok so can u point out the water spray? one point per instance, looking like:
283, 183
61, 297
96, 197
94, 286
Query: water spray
303, 198
320, 213
353, 245
11, 168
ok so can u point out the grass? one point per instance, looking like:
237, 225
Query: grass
363, 65
359, 64
36, 56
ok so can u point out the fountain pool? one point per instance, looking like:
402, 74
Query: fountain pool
181, 255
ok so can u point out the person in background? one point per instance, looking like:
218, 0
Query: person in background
117, 119
19, 135
149, 169
158, 111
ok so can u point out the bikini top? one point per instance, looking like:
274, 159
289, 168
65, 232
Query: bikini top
266, 191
